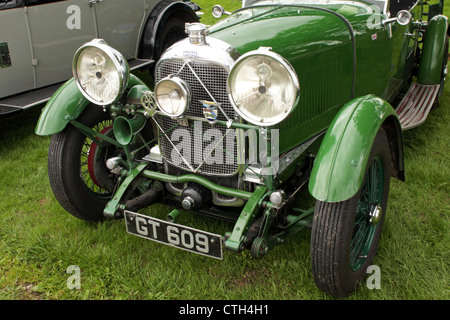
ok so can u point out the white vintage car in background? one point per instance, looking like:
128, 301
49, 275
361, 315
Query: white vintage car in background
38, 39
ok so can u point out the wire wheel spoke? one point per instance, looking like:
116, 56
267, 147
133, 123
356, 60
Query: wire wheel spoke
89, 146
363, 229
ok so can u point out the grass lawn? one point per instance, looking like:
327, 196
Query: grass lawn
39, 241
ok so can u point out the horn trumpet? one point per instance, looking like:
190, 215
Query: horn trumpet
125, 129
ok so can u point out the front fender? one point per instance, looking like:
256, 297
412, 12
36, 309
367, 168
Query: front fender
339, 167
66, 104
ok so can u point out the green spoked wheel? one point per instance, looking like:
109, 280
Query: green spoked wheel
345, 235
77, 167
368, 213
77, 170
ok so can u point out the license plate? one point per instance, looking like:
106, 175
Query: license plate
175, 235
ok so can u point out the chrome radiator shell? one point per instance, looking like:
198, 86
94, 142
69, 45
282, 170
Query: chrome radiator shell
205, 68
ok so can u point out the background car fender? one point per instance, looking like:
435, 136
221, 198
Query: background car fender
339, 167
65, 105
430, 66
156, 22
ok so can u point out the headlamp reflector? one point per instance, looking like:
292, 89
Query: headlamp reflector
101, 72
172, 96
263, 87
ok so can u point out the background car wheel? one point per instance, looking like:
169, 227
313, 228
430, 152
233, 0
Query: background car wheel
171, 32
345, 235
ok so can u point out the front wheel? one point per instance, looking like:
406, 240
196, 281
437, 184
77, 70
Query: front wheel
76, 166
78, 175
345, 235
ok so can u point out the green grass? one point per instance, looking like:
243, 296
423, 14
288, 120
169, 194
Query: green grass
39, 240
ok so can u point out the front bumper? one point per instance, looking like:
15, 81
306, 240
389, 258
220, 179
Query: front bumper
258, 212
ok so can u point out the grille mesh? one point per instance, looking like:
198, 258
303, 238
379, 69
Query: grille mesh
224, 157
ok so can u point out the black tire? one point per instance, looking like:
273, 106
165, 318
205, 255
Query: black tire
69, 176
77, 170
338, 270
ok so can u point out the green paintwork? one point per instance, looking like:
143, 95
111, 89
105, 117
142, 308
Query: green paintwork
430, 68
99, 138
316, 39
197, 179
296, 223
67, 104
383, 60
294, 36
247, 216
114, 204
340, 165
435, 9
137, 91
124, 128
172, 216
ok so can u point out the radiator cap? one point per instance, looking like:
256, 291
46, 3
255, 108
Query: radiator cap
197, 33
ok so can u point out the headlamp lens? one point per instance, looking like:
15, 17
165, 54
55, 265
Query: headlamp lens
172, 96
263, 87
101, 73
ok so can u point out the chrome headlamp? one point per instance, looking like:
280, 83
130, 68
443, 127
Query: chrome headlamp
172, 96
100, 72
263, 87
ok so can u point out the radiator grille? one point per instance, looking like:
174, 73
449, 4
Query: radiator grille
223, 159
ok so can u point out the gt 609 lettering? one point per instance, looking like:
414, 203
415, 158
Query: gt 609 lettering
175, 235
186, 239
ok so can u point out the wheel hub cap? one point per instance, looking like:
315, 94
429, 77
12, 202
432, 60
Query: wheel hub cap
375, 215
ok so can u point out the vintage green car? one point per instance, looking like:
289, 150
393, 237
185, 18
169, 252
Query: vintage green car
285, 115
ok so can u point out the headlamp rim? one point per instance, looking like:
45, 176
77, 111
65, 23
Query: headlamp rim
264, 51
185, 89
120, 64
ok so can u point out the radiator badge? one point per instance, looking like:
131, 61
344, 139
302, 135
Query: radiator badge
210, 110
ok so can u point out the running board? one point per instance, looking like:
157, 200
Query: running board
26, 100
413, 110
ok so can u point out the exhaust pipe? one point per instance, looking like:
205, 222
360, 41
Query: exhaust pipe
144, 200
173, 215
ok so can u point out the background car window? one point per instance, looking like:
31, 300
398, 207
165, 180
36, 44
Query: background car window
36, 2
8, 4
30, 2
